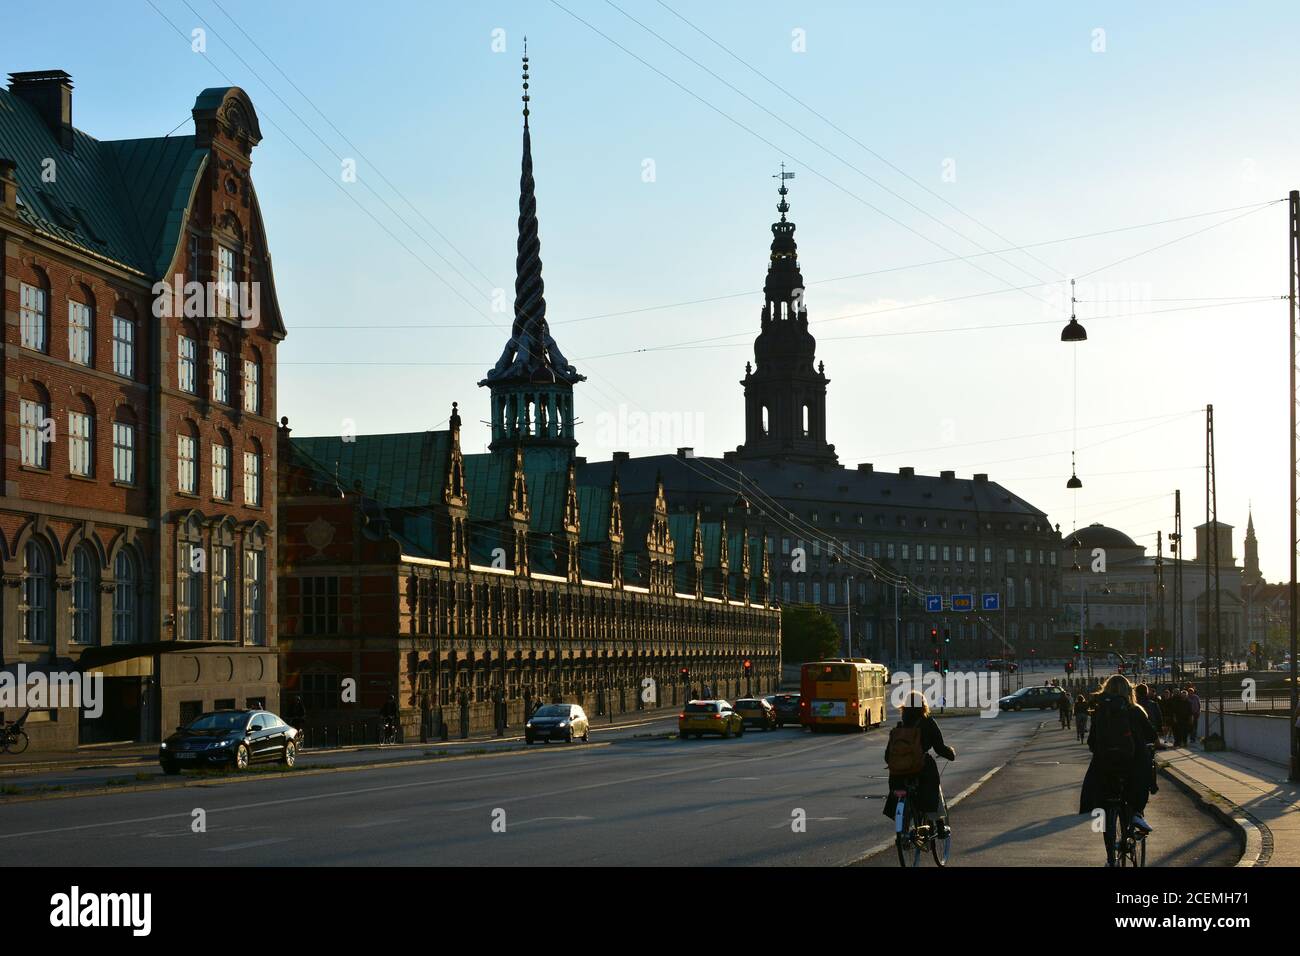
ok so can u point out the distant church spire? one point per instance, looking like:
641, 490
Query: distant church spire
785, 394
532, 382
1251, 574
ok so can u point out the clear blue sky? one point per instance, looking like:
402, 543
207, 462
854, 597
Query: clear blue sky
1188, 109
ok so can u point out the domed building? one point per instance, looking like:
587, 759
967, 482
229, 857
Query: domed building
1109, 595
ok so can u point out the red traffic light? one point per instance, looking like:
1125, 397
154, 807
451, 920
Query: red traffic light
749, 665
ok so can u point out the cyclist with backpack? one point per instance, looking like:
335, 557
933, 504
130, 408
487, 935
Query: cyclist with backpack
907, 755
1121, 741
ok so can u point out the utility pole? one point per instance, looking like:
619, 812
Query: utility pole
1160, 588
1293, 247
1214, 632
1177, 541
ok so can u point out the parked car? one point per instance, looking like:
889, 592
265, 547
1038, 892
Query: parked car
756, 712
236, 738
786, 707
700, 717
1026, 698
557, 722
997, 664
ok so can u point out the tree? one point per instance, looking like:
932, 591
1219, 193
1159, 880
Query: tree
807, 634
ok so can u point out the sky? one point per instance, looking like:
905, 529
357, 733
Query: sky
930, 145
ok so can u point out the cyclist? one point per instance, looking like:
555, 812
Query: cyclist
389, 713
919, 732
1081, 717
1063, 706
1121, 769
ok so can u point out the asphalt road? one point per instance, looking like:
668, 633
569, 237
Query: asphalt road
1027, 815
632, 802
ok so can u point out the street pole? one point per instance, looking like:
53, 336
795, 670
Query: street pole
1293, 245
897, 651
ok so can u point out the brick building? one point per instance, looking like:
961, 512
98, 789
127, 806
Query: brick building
469, 586
139, 466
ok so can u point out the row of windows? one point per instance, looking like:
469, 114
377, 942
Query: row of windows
187, 375
34, 331
219, 565
906, 552
36, 608
837, 592
37, 434
187, 470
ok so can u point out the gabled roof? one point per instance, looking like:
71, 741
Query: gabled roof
122, 201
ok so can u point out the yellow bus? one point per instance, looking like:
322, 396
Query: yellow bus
843, 692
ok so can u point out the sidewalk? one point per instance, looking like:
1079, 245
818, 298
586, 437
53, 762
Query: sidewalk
130, 754
1252, 793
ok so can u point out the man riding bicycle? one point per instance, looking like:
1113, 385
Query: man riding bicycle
909, 746
1122, 769
389, 713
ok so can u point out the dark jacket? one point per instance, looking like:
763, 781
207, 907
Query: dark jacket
928, 785
1104, 782
1156, 714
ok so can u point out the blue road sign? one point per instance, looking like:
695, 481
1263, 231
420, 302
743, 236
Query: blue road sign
963, 602
934, 602
991, 602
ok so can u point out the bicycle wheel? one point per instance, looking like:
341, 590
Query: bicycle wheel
909, 854
17, 743
939, 848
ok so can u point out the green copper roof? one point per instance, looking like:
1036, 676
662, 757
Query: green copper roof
123, 201
399, 471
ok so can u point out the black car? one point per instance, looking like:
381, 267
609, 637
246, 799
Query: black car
234, 738
557, 722
757, 712
1044, 698
786, 707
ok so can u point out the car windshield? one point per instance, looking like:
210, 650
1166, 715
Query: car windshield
223, 721
552, 710
748, 705
701, 708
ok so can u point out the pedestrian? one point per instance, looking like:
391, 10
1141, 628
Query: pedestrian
1081, 717
1194, 708
1148, 702
1063, 706
1181, 718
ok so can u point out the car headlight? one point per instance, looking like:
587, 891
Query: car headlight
164, 745
564, 723
529, 725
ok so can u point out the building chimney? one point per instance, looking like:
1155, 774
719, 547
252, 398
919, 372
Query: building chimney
49, 92
947, 475
686, 453
622, 456
865, 466
907, 471
982, 477
9, 186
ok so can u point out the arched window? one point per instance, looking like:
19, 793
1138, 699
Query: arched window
805, 421
765, 420
187, 459
253, 384
1029, 593
191, 565
124, 440
34, 315
81, 329
37, 431
85, 595
124, 340
223, 590
37, 588
126, 598
253, 474
81, 438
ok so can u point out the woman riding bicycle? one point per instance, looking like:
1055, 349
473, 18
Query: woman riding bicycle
915, 716
1121, 770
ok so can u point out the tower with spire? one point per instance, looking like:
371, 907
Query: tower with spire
1252, 574
532, 382
785, 392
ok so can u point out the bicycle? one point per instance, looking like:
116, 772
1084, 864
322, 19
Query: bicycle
912, 837
1131, 844
13, 739
389, 733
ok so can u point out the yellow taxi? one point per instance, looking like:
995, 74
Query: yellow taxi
701, 717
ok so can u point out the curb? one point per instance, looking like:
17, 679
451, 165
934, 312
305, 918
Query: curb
1255, 836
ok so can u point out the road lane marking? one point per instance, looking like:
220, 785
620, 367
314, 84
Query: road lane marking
358, 791
246, 846
520, 823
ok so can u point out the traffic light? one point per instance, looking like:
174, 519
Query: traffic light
944, 668
686, 672
749, 666
947, 639
1076, 647
934, 634
1069, 666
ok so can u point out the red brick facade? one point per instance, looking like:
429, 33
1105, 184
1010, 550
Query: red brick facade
47, 508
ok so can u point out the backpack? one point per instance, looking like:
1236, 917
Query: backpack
1114, 733
904, 752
